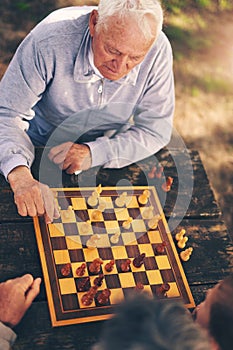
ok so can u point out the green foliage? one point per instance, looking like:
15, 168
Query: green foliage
177, 5
22, 5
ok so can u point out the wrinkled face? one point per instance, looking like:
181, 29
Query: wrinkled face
119, 49
202, 311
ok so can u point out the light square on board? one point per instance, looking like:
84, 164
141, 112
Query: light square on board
103, 241
61, 256
173, 291
107, 201
127, 280
67, 216
90, 254
132, 202
154, 236
116, 296
84, 228
73, 242
56, 230
138, 225
79, 203
122, 214
154, 277
119, 252
129, 238
163, 262
67, 286
112, 226
147, 249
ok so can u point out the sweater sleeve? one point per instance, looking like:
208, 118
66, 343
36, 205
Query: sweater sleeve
20, 89
7, 337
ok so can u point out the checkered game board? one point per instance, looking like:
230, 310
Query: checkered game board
64, 242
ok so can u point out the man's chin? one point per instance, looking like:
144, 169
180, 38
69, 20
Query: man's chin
109, 74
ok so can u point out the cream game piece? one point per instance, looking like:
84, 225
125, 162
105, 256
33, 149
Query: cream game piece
115, 238
93, 200
180, 234
153, 222
147, 213
96, 215
92, 241
85, 227
182, 242
185, 254
126, 224
121, 200
143, 198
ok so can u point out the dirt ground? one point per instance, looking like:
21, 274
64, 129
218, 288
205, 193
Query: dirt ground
203, 67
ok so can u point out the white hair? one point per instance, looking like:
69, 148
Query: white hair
139, 10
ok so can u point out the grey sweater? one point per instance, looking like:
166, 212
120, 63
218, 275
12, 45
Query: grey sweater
7, 337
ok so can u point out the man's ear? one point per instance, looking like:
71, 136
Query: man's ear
92, 21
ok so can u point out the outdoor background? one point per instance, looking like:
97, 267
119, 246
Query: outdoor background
201, 34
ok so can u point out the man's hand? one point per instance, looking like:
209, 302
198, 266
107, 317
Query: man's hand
16, 296
71, 157
32, 197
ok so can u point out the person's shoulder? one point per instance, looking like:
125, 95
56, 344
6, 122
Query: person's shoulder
67, 13
162, 42
64, 21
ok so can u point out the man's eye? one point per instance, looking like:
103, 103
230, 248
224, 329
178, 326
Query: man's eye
113, 51
136, 58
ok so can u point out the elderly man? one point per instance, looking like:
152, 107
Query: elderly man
93, 84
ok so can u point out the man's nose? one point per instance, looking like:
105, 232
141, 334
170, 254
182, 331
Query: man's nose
121, 63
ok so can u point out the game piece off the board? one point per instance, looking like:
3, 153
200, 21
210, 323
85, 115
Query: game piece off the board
84, 282
185, 254
166, 186
182, 242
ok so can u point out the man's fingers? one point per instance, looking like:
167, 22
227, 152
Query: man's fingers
22, 208
33, 291
25, 281
30, 203
51, 209
56, 213
58, 153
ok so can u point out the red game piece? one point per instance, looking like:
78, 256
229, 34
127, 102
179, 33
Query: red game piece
109, 266
138, 261
103, 297
159, 172
125, 265
81, 270
162, 290
139, 286
166, 186
88, 298
66, 270
160, 248
98, 280
95, 266
83, 285
151, 174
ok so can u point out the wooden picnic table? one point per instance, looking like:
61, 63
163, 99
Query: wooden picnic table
190, 204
